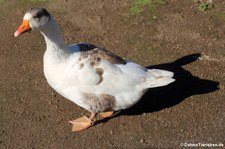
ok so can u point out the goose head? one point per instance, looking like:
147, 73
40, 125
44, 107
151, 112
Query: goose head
34, 19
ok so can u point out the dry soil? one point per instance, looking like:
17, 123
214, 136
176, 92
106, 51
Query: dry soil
175, 36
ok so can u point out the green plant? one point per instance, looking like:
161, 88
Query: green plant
205, 6
138, 5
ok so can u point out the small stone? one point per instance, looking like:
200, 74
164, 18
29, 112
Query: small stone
142, 141
111, 132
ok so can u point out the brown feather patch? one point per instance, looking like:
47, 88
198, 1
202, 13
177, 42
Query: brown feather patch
81, 65
101, 103
99, 71
96, 54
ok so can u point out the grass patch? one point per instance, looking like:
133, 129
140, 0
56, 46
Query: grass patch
140, 5
205, 6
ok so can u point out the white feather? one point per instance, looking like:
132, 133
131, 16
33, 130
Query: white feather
126, 82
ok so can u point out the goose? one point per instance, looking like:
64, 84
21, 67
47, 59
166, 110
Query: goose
90, 76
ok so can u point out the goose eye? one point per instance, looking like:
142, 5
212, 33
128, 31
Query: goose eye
38, 15
35, 16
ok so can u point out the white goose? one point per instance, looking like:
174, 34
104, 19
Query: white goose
92, 77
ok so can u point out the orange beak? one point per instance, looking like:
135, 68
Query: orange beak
24, 27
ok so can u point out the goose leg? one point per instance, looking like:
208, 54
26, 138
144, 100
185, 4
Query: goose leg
107, 114
83, 122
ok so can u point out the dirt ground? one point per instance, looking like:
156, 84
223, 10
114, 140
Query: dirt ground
176, 36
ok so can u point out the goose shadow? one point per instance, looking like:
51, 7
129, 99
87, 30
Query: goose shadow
186, 85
